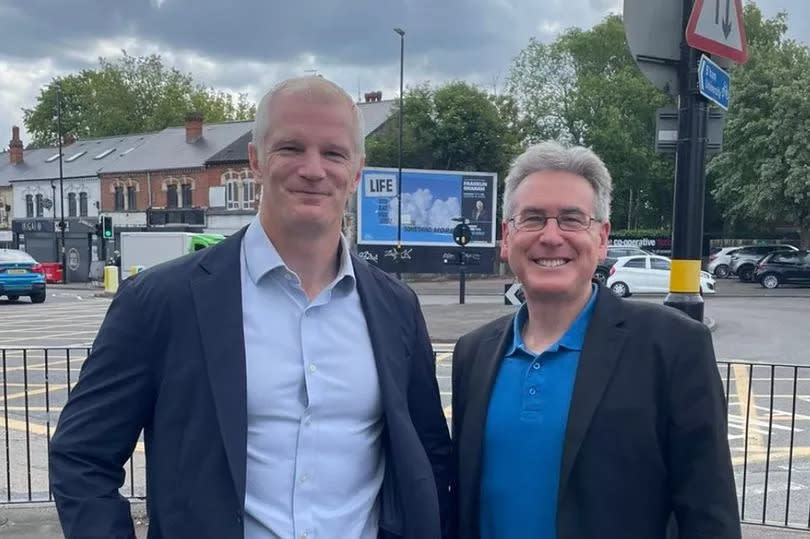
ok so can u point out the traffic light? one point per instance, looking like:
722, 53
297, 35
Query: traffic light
462, 234
106, 227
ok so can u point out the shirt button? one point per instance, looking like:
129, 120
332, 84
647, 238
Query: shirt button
532, 391
304, 535
307, 422
305, 478
288, 276
312, 367
536, 366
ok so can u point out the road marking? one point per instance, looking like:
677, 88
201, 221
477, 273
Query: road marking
747, 408
42, 430
33, 392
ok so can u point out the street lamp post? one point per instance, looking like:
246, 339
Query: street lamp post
61, 184
401, 33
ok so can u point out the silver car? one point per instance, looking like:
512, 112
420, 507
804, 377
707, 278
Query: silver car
720, 262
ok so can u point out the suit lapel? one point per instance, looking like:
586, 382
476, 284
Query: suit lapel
217, 292
386, 341
482, 373
603, 344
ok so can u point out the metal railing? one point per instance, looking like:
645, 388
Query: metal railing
35, 384
768, 422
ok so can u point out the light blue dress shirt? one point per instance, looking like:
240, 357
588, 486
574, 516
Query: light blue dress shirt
315, 463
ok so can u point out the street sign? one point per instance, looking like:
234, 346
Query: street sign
716, 27
654, 30
513, 294
666, 130
713, 82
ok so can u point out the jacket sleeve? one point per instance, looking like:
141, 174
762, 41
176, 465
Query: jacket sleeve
704, 497
428, 417
100, 424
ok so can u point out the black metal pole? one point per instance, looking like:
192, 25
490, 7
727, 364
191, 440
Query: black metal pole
61, 183
53, 218
399, 151
462, 281
401, 33
690, 184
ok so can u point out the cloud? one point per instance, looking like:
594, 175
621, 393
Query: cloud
248, 46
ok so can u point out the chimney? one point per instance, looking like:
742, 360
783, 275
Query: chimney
15, 147
373, 97
194, 125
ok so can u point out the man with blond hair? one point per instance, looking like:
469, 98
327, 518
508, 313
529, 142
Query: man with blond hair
286, 389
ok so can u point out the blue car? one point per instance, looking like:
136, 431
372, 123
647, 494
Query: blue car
21, 275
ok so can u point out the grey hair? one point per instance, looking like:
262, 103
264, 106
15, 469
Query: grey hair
550, 155
313, 86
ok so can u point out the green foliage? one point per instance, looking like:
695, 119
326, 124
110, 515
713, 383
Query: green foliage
763, 174
586, 89
127, 95
453, 127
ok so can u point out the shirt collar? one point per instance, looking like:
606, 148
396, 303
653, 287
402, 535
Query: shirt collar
262, 257
572, 339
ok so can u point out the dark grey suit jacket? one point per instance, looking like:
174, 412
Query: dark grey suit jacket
646, 432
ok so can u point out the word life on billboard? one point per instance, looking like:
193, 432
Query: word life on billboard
432, 202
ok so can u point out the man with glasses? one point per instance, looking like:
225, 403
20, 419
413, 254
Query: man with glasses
583, 415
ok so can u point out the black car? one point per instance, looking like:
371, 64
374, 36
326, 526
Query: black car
783, 267
744, 261
614, 253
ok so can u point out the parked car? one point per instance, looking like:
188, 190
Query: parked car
613, 254
21, 275
720, 261
783, 267
744, 261
648, 275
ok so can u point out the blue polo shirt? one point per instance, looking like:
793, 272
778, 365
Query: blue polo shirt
525, 431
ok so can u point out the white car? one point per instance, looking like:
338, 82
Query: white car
647, 275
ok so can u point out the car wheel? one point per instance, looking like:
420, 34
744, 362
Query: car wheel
620, 289
721, 271
601, 276
769, 280
38, 298
13, 298
746, 273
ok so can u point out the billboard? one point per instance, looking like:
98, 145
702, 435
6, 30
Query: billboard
431, 199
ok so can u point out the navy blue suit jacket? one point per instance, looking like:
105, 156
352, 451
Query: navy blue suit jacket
169, 358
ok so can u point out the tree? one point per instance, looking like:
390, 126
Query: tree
585, 88
763, 174
454, 127
127, 95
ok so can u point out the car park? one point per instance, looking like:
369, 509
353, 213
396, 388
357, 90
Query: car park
744, 261
21, 275
648, 275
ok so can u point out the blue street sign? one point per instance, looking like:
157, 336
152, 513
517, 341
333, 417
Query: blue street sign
713, 82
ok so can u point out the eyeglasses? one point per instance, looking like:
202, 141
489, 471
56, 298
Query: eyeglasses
570, 221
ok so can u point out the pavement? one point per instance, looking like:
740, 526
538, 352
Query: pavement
446, 320
41, 522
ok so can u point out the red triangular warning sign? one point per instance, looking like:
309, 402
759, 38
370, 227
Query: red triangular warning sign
716, 27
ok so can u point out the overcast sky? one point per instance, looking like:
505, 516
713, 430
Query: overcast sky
247, 45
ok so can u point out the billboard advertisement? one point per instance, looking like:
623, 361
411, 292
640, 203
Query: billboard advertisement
431, 200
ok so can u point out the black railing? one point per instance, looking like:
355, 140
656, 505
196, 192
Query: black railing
36, 383
768, 423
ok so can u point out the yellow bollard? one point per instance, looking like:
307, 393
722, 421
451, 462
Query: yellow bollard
111, 279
